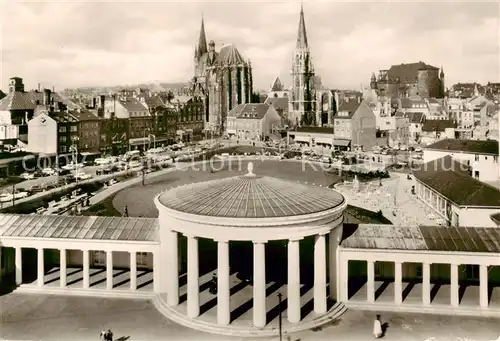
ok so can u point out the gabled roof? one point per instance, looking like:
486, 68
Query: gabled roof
17, 100
413, 117
431, 238
452, 180
254, 111
277, 85
155, 102
350, 106
132, 104
488, 147
84, 116
279, 103
63, 117
230, 55
438, 125
2, 94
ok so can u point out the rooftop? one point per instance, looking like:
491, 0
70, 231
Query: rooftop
78, 227
279, 103
438, 125
230, 55
452, 180
431, 238
489, 147
350, 106
249, 111
408, 73
250, 196
133, 104
414, 117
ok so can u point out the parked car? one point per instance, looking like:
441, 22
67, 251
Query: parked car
49, 171
82, 176
36, 189
6, 197
20, 195
27, 176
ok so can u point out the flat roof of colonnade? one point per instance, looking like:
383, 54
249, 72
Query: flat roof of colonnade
423, 238
79, 227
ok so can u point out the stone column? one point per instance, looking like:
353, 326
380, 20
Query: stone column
86, 269
156, 271
370, 281
223, 287
227, 91
334, 240
62, 268
454, 285
193, 299
320, 274
398, 285
293, 286
483, 286
426, 283
109, 270
172, 269
41, 267
19, 266
259, 284
133, 270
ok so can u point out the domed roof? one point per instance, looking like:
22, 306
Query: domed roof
250, 196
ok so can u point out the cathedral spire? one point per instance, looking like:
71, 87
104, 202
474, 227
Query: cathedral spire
202, 41
301, 35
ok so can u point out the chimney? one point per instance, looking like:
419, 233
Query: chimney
46, 97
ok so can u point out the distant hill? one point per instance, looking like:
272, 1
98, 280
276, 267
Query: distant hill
153, 86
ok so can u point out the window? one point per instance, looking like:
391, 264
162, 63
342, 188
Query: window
495, 159
485, 158
73, 129
62, 149
62, 129
62, 138
476, 157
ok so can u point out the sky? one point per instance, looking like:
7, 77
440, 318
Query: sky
83, 43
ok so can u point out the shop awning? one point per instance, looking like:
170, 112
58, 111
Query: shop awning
324, 140
302, 138
341, 143
231, 131
89, 153
138, 141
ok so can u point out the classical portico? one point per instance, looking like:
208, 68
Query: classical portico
435, 269
81, 255
258, 210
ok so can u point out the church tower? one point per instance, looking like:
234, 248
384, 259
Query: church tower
442, 84
200, 49
303, 94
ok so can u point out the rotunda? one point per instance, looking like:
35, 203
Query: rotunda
253, 208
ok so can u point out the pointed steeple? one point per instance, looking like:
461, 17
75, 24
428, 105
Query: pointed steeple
202, 41
301, 35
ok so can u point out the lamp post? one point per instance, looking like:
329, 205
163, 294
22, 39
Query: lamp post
144, 139
13, 195
280, 296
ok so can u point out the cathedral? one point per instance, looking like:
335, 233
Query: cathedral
223, 79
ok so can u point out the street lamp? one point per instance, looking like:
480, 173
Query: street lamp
144, 138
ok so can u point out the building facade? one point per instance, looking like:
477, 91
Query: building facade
252, 121
418, 80
52, 134
223, 79
355, 122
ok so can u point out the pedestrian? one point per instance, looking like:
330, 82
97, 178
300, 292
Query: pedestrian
126, 211
377, 328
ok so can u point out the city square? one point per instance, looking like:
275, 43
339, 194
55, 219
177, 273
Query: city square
272, 171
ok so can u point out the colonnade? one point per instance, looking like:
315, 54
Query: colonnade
426, 284
86, 268
171, 278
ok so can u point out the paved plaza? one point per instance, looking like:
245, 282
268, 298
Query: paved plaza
139, 199
46, 317
393, 198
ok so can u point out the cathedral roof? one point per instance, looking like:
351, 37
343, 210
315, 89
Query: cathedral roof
301, 35
407, 73
230, 55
